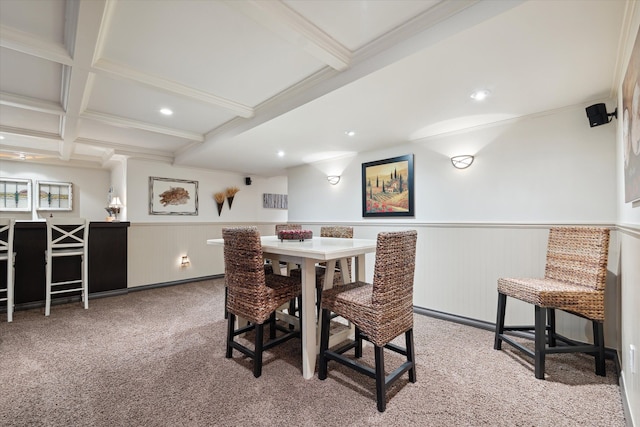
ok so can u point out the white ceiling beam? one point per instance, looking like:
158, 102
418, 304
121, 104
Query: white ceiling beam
28, 103
87, 23
288, 24
29, 44
134, 124
112, 69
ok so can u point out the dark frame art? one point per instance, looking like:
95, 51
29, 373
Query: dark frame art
387, 187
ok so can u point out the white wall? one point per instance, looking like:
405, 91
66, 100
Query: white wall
157, 242
552, 168
246, 207
90, 187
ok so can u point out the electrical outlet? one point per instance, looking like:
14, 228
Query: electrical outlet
632, 358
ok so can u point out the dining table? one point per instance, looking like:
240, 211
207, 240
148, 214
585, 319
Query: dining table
307, 253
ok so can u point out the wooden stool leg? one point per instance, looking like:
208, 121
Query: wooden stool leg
502, 304
231, 320
380, 379
598, 340
257, 358
410, 354
540, 340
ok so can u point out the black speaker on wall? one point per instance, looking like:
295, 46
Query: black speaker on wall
597, 114
247, 181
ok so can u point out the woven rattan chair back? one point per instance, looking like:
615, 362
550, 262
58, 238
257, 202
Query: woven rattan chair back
578, 255
280, 227
393, 279
337, 231
244, 274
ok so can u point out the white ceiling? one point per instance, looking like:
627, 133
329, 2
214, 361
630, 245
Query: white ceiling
83, 81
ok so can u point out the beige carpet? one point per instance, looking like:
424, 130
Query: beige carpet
156, 358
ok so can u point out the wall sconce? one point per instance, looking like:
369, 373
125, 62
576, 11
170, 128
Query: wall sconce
333, 179
462, 162
185, 261
115, 206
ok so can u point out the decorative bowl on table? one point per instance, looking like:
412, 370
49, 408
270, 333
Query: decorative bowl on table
299, 235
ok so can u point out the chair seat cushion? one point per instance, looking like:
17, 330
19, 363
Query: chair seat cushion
550, 293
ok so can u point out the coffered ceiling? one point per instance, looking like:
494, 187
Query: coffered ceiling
84, 81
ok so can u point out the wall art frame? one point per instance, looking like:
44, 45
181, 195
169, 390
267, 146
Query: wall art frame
54, 196
15, 194
631, 125
387, 187
169, 196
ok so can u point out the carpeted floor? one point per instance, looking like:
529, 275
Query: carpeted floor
156, 358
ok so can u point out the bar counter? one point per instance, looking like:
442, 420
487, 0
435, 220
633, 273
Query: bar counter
107, 261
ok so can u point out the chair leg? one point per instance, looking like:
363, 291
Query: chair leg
85, 281
324, 344
598, 340
10, 285
358, 339
257, 359
540, 341
231, 319
502, 304
380, 379
272, 326
411, 354
551, 317
47, 299
226, 297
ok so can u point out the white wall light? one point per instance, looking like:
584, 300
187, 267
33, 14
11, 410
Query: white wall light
333, 179
462, 162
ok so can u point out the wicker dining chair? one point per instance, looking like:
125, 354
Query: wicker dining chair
253, 295
574, 282
380, 312
327, 231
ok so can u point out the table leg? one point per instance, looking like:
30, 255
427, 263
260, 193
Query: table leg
308, 318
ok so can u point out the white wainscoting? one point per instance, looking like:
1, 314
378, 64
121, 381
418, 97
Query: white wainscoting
457, 265
156, 250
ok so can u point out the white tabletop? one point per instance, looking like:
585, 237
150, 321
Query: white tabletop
317, 248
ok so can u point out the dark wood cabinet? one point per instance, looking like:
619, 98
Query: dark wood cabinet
107, 261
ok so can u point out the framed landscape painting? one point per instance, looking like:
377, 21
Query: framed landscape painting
387, 187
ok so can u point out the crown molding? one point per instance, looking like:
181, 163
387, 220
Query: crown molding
28, 103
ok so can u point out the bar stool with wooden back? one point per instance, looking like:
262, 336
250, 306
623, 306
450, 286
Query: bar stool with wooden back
6, 254
574, 282
380, 311
253, 295
67, 237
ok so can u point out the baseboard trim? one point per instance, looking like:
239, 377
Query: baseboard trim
173, 283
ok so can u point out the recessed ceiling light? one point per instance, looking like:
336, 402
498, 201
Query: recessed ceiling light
280, 153
22, 156
166, 111
349, 132
1, 136
480, 95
